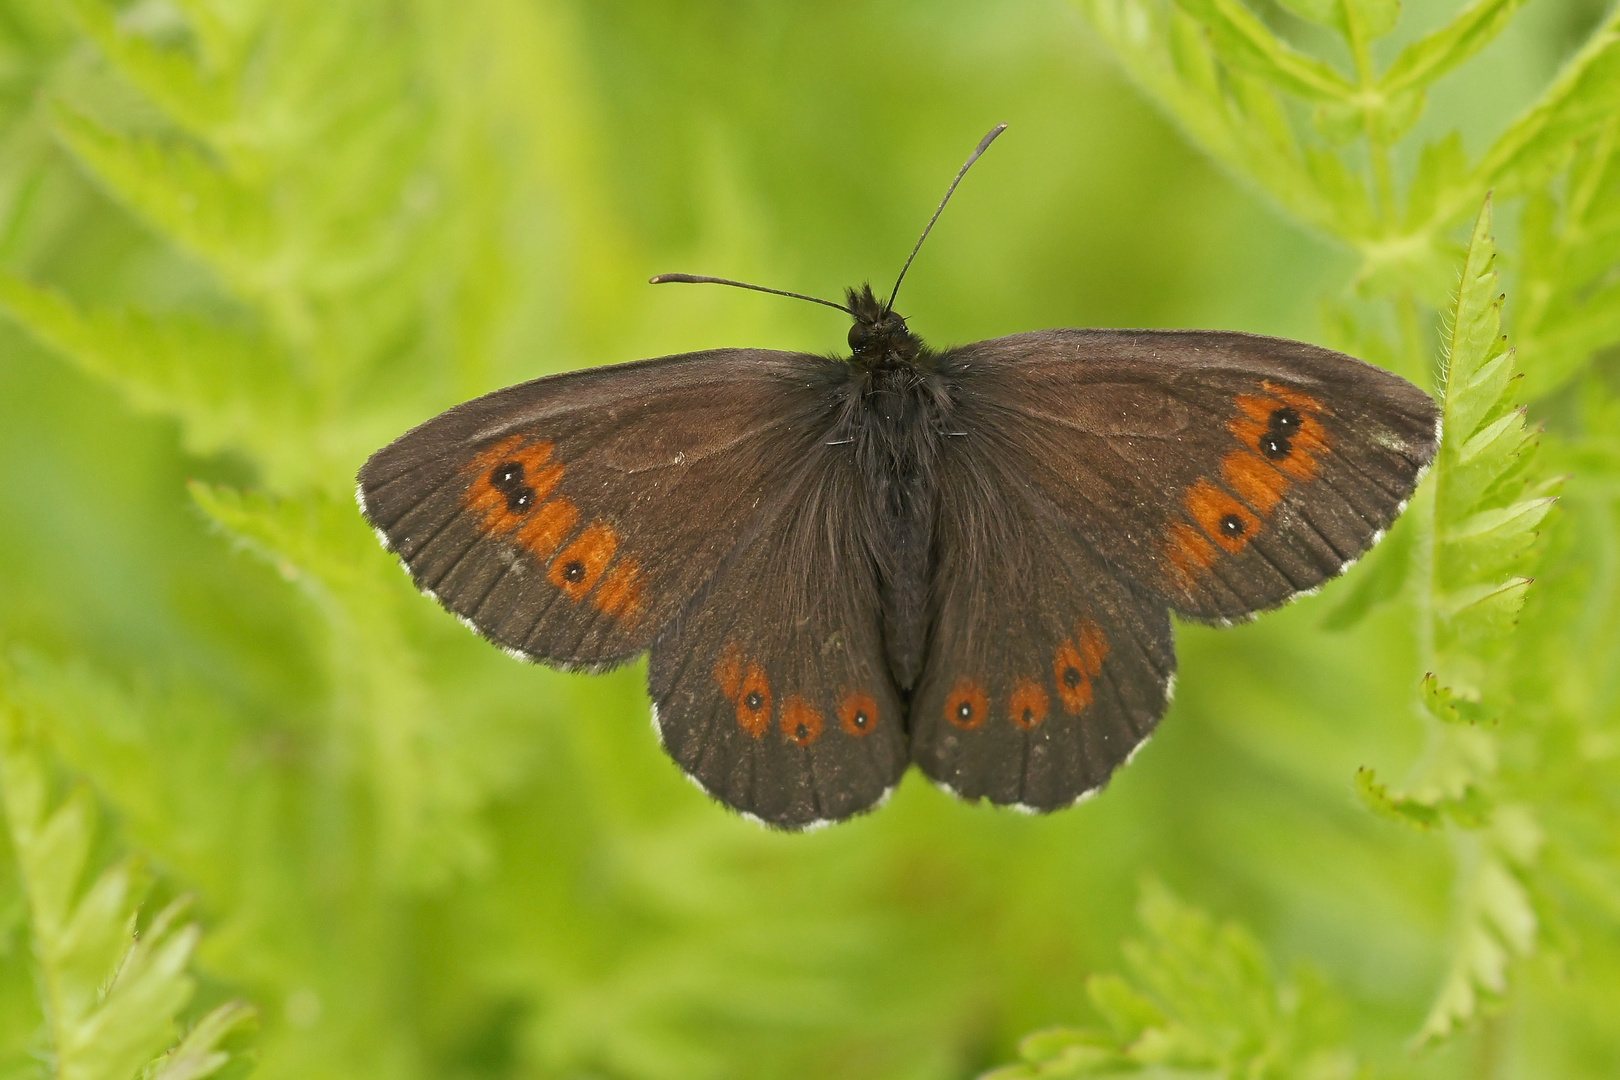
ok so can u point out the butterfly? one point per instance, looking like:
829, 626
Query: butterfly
964, 559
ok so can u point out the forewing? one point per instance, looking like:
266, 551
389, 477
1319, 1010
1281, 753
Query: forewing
1222, 472
771, 690
570, 518
1046, 670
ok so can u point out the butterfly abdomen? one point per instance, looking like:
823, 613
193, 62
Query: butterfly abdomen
898, 413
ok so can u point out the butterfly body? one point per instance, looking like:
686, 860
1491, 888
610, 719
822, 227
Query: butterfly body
962, 559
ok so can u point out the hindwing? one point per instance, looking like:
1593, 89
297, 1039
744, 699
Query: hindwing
770, 689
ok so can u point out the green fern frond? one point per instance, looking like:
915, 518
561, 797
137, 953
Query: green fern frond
1202, 1001
229, 388
110, 994
424, 803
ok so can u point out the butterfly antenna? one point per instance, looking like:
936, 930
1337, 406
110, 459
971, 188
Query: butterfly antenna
984, 144
694, 279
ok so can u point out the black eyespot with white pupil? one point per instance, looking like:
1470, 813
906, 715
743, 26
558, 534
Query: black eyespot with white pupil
754, 701
964, 711
1284, 421
801, 732
507, 478
574, 572
1232, 525
1071, 677
861, 720
1275, 446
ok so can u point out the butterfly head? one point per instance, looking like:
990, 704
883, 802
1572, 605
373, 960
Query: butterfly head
879, 337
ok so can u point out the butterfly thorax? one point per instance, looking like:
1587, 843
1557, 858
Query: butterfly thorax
879, 339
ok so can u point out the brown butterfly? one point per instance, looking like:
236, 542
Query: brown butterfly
964, 558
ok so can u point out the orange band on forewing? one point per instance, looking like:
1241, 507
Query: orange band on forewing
1312, 437
549, 527
577, 567
1256, 408
1298, 399
1188, 553
801, 724
1213, 508
620, 592
491, 504
1256, 482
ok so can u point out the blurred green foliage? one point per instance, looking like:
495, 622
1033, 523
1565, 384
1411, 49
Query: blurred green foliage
266, 808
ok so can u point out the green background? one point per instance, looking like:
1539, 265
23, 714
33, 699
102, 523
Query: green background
417, 858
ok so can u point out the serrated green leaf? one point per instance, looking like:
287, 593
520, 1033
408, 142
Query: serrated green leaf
198, 1055
1446, 706
1488, 608
1491, 539
1583, 98
182, 194
1202, 1002
1496, 922
1321, 12
425, 805
1126, 1012
111, 994
1442, 166
1407, 811
1488, 454
1424, 61
167, 75
230, 390
1248, 45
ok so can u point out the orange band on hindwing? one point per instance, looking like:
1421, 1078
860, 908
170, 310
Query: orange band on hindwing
1028, 704
966, 705
801, 724
754, 701
858, 713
